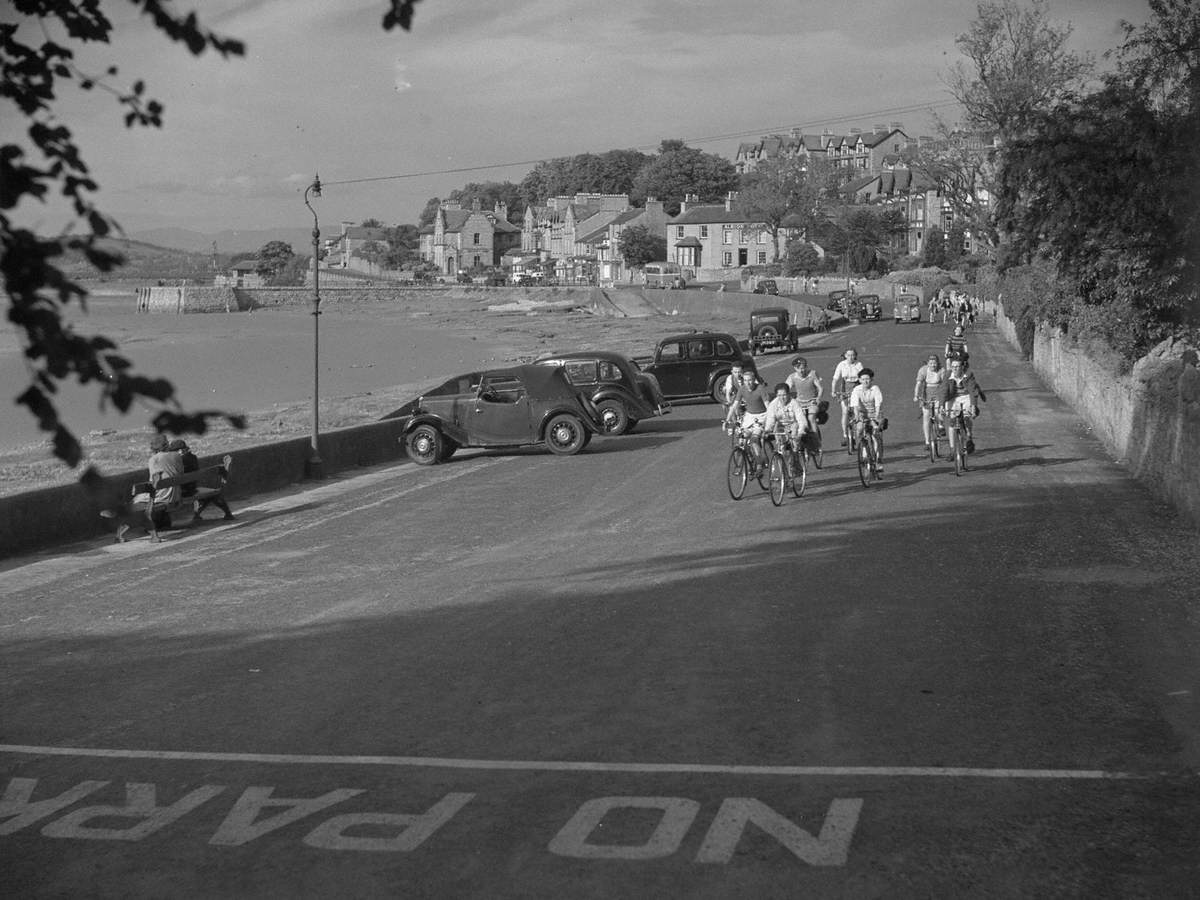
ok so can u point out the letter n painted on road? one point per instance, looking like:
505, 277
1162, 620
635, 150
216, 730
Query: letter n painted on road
141, 803
413, 829
242, 825
16, 803
574, 839
830, 848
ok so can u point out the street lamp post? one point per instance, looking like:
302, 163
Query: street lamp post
314, 468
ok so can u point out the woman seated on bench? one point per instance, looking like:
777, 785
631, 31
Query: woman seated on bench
192, 464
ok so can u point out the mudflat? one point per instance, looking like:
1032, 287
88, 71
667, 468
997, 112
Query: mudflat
373, 358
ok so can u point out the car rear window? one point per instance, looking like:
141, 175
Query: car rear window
724, 350
608, 371
700, 350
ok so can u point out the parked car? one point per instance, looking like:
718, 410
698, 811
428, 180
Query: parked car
837, 300
908, 308
514, 407
621, 392
772, 329
696, 364
767, 286
872, 310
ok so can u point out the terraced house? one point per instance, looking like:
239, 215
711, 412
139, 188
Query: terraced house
709, 239
855, 152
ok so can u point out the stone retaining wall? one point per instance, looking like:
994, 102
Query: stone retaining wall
34, 520
1149, 419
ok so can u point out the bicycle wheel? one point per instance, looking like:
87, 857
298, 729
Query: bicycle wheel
799, 473
864, 465
778, 476
959, 452
818, 455
737, 472
876, 440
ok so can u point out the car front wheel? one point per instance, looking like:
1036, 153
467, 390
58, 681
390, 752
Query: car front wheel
613, 416
425, 445
565, 435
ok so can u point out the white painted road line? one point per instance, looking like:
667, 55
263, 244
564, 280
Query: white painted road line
514, 765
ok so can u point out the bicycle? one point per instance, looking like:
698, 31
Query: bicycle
849, 432
935, 429
787, 468
958, 435
744, 464
810, 441
869, 451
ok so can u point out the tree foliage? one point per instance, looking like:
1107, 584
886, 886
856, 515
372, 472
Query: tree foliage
784, 191
802, 258
680, 171
638, 246
273, 256
611, 172
489, 193
1104, 186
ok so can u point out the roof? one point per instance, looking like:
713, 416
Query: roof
689, 242
716, 213
363, 233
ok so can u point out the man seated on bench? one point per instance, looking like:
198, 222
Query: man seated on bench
189, 491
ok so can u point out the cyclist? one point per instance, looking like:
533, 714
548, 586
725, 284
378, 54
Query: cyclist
962, 395
805, 385
867, 402
729, 387
751, 399
845, 376
956, 346
784, 413
928, 388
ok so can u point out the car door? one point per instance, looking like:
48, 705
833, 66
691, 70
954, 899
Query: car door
500, 413
671, 369
702, 359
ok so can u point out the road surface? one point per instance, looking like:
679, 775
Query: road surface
517, 675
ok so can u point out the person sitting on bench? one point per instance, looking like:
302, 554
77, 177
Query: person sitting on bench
192, 464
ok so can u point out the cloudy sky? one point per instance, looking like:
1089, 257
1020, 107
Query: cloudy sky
480, 91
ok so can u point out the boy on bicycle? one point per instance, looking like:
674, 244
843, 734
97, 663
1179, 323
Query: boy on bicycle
866, 400
962, 396
845, 376
729, 388
805, 385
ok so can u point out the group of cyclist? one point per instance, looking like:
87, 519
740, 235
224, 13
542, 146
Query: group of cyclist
954, 306
794, 404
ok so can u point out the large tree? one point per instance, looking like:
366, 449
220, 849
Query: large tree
784, 189
611, 172
37, 55
273, 257
638, 246
679, 171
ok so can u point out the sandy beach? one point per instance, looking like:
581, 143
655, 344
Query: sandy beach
373, 357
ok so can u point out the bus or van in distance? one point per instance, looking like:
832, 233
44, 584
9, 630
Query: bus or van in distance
664, 275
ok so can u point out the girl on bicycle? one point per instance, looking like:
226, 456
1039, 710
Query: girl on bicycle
962, 395
928, 392
866, 401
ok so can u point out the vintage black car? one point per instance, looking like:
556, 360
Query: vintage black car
837, 300
621, 392
513, 407
907, 309
767, 286
696, 364
772, 329
872, 310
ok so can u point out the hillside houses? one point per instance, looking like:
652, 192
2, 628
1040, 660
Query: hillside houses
467, 238
854, 152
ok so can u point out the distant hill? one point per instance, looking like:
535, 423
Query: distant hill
144, 261
230, 242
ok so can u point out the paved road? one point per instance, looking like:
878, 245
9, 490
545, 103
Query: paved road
525, 676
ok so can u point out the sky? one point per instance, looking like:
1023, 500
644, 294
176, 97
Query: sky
480, 91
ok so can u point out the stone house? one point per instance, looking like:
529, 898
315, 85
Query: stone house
605, 240
856, 151
467, 238
717, 237
554, 229
340, 250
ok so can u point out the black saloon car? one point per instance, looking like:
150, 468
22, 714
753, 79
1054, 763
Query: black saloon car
515, 407
696, 364
622, 393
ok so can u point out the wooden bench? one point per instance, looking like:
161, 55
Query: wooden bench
210, 488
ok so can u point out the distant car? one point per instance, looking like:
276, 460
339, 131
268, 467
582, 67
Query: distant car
772, 329
908, 308
621, 392
767, 286
696, 364
514, 407
872, 310
837, 300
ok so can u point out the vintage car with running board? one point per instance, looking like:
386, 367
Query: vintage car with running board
499, 408
621, 392
696, 364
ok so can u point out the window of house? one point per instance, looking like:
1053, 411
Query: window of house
727, 236
475, 239
762, 257
727, 259
476, 262
678, 231
703, 231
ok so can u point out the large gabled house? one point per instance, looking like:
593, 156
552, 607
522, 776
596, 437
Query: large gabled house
707, 239
340, 250
604, 242
855, 151
553, 229
467, 238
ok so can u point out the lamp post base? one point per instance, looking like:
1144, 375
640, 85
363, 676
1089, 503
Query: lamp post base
314, 468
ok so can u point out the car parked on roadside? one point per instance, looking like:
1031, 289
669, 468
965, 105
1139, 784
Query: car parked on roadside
837, 301
696, 364
767, 286
621, 392
514, 407
772, 329
872, 309
907, 309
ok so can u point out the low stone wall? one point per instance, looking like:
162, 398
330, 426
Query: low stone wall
699, 302
1149, 418
43, 518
